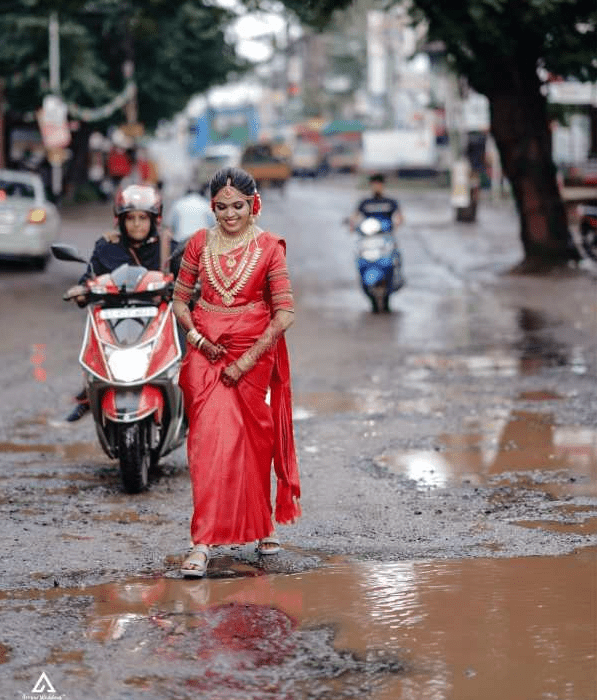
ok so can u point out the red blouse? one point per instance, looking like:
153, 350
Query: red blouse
259, 273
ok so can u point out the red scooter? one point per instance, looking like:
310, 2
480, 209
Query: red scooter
131, 355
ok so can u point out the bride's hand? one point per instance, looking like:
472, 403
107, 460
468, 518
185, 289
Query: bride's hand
211, 351
231, 375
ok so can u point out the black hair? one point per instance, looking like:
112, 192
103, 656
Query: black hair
153, 229
239, 179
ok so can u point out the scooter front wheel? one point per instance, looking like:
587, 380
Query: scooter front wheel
134, 457
380, 299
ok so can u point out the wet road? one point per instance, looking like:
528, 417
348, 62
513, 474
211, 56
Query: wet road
441, 446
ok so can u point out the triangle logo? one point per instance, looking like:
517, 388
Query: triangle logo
43, 685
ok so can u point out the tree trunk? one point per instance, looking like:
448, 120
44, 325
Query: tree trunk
520, 127
593, 131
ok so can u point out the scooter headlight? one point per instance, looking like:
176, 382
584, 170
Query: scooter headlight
372, 254
129, 364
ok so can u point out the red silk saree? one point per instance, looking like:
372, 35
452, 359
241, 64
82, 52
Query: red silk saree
234, 433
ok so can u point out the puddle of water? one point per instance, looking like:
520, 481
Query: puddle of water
585, 527
308, 404
565, 456
489, 364
540, 395
69, 451
574, 519
448, 629
502, 362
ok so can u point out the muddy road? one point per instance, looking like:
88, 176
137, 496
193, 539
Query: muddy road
448, 454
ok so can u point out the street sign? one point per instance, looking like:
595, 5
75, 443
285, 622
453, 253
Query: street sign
53, 124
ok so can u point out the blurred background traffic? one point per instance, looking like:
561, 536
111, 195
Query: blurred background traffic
94, 93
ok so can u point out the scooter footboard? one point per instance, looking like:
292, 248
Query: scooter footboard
127, 405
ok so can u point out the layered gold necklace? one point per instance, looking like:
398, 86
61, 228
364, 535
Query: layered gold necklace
229, 285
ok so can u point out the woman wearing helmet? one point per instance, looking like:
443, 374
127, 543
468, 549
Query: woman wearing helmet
137, 212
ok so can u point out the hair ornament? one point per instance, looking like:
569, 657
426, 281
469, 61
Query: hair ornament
256, 204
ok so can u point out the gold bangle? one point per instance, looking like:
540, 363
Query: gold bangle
194, 337
200, 343
239, 364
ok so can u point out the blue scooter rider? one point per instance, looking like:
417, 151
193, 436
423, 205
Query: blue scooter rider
378, 206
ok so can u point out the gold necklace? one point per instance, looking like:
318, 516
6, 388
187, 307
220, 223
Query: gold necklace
231, 261
228, 287
225, 244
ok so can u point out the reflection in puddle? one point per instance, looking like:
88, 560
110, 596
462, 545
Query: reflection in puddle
526, 442
448, 629
307, 405
489, 364
503, 362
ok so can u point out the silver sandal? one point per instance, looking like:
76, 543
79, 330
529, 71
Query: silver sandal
273, 548
198, 559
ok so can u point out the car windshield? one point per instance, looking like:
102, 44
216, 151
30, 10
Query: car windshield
17, 189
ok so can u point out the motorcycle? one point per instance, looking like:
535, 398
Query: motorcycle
379, 262
131, 355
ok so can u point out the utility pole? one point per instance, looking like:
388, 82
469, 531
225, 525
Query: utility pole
55, 154
54, 48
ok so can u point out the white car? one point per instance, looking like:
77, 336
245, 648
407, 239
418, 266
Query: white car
29, 223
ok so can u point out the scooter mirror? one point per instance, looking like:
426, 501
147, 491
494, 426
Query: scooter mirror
63, 251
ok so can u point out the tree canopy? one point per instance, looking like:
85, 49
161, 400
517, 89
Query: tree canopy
178, 49
488, 40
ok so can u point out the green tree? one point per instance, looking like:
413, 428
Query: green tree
500, 46
178, 49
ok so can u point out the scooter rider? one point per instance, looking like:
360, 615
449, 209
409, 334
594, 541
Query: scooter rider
378, 205
138, 213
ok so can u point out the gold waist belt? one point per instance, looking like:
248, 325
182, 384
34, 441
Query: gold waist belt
225, 309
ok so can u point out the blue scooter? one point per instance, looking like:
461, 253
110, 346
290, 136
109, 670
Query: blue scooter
379, 262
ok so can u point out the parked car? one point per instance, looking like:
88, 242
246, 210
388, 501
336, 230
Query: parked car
29, 222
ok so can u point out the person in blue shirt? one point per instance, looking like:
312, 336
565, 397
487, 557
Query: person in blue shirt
138, 212
378, 205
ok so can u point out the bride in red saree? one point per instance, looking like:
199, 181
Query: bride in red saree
236, 352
